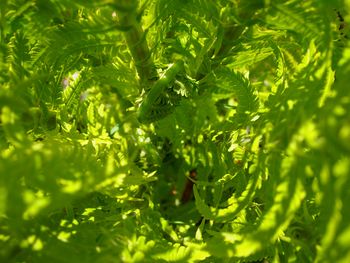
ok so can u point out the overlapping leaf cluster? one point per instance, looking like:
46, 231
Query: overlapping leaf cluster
258, 111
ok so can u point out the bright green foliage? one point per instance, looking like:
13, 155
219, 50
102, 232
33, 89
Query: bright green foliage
106, 106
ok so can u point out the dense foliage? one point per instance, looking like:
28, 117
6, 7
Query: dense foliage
173, 130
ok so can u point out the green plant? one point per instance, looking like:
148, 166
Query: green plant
110, 111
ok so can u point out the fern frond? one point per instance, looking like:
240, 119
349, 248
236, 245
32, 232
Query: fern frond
302, 20
233, 84
18, 56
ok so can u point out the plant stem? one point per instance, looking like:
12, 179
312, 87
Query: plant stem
136, 40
